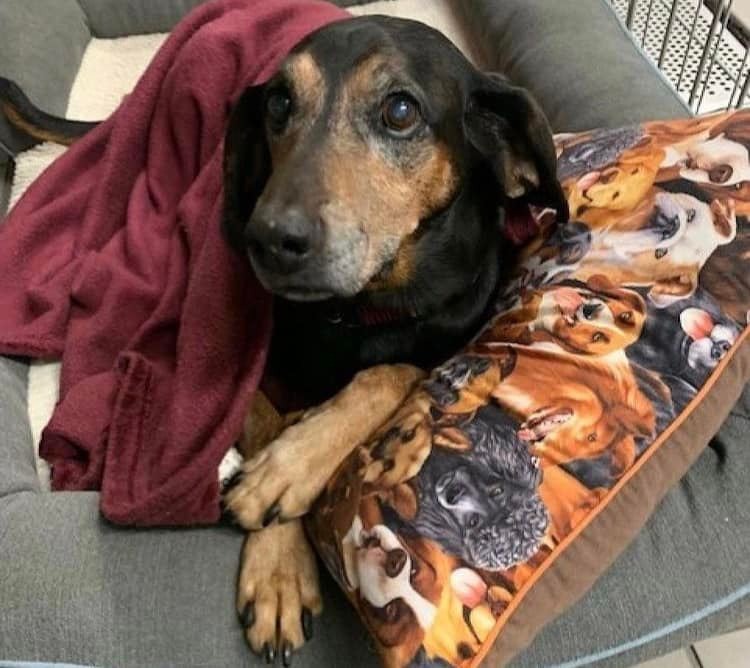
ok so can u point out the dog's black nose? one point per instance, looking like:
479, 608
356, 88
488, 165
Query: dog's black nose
283, 241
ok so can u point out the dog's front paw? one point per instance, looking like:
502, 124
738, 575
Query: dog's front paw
280, 482
278, 591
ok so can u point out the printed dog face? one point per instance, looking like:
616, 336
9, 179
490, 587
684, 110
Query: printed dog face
370, 129
720, 161
592, 323
664, 244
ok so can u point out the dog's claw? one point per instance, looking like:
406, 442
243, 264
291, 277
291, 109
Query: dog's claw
247, 618
271, 514
228, 517
269, 653
307, 624
286, 654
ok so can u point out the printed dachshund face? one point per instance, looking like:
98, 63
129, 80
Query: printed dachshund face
594, 320
340, 170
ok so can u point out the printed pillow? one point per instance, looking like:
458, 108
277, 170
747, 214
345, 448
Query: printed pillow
513, 477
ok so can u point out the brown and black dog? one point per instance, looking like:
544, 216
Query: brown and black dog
363, 182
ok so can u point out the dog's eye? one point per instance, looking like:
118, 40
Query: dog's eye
278, 108
660, 253
690, 215
627, 316
473, 521
400, 114
408, 435
598, 337
591, 437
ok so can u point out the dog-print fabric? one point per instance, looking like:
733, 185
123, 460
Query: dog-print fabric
610, 327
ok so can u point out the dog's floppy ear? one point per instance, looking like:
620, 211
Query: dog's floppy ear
508, 128
247, 163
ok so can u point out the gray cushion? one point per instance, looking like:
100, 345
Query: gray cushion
17, 468
576, 57
115, 18
41, 46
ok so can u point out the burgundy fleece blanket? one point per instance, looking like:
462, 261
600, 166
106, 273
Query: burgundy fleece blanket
114, 261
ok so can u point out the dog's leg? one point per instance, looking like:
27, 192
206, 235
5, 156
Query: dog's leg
278, 591
285, 477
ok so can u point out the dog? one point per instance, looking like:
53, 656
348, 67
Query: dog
726, 275
718, 157
700, 335
663, 244
363, 184
416, 600
592, 318
481, 504
593, 406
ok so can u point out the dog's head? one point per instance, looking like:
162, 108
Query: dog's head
339, 171
709, 338
593, 319
722, 158
482, 504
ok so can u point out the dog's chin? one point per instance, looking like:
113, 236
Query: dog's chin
303, 289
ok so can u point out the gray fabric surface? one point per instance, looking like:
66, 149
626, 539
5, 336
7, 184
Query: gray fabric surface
76, 590
17, 469
41, 46
575, 57
115, 18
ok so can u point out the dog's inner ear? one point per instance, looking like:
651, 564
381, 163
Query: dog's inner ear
247, 163
508, 128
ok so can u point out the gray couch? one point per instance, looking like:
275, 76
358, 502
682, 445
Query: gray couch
75, 589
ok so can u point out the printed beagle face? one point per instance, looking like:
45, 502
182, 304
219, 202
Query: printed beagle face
588, 322
617, 187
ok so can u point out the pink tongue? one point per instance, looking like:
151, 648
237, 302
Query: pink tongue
567, 299
469, 588
526, 434
696, 323
588, 180
520, 225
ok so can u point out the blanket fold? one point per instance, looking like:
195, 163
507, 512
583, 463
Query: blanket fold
114, 261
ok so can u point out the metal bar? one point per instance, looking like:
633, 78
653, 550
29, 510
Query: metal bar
739, 76
704, 58
631, 14
743, 92
667, 34
716, 48
648, 20
690, 42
